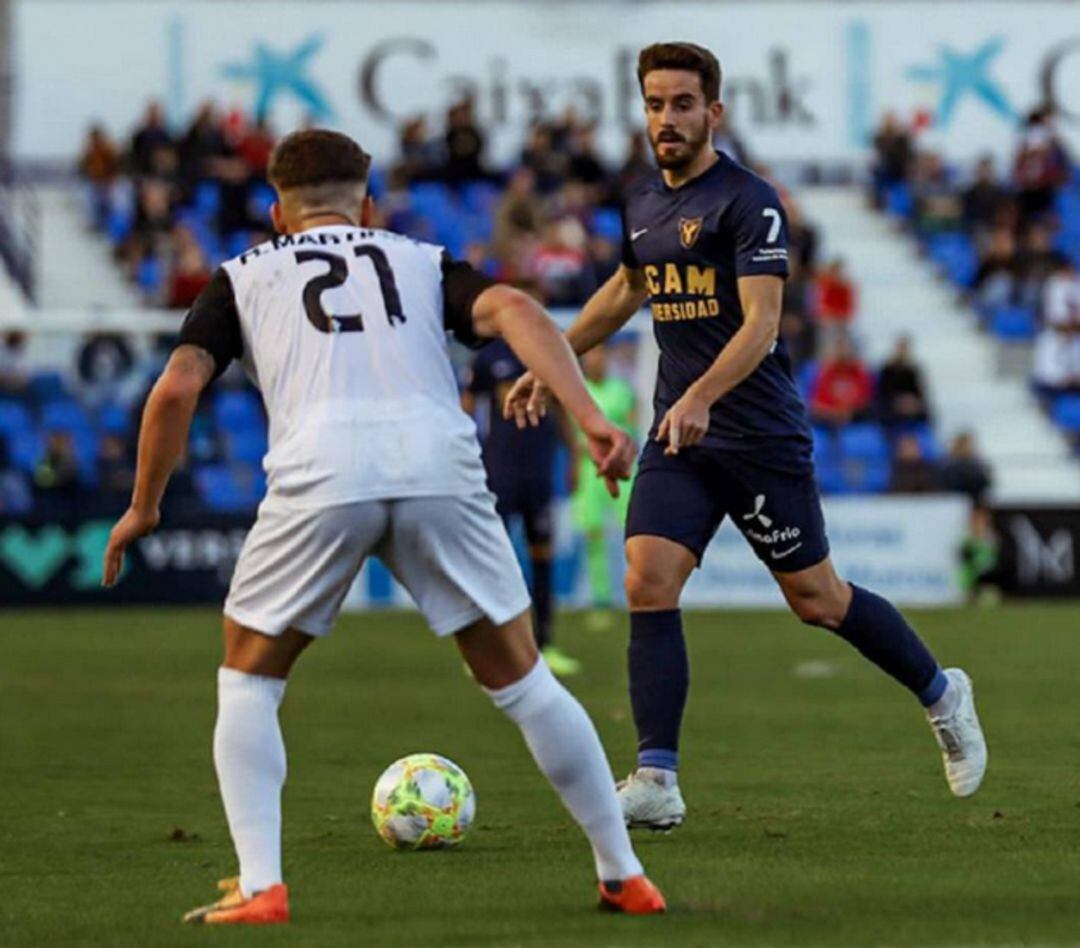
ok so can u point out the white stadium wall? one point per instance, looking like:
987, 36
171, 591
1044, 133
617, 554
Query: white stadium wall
803, 81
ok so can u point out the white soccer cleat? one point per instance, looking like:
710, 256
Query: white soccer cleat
960, 737
649, 803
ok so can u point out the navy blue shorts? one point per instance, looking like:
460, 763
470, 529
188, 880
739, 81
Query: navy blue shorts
528, 498
685, 498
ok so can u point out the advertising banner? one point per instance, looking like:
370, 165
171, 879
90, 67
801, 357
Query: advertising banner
1038, 551
802, 81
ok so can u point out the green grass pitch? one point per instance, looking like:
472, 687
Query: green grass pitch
818, 810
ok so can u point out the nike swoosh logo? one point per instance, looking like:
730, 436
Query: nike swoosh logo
635, 234
788, 552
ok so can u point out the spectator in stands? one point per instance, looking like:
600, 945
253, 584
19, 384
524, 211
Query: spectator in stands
938, 206
541, 157
585, 165
1057, 346
893, 152
800, 337
13, 374
912, 471
964, 472
994, 283
190, 270
1041, 165
202, 145
148, 138
234, 203
560, 264
983, 198
254, 148
464, 146
836, 300
901, 394
153, 224
802, 235
519, 213
15, 495
419, 156
99, 165
638, 161
116, 473
56, 476
844, 389
1035, 263
799, 297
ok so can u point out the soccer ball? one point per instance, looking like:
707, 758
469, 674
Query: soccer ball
423, 801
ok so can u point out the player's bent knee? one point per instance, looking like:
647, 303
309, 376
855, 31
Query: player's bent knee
820, 611
255, 653
651, 589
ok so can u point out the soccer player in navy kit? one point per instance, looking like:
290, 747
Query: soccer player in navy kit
705, 245
519, 468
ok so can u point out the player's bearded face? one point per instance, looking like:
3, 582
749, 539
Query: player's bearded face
677, 145
679, 120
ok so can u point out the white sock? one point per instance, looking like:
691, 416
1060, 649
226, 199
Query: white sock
566, 747
249, 754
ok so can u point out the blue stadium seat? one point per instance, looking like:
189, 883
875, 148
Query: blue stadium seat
237, 410
149, 275
207, 198
826, 449
1066, 413
44, 386
118, 225
928, 442
237, 243
376, 182
25, 448
1013, 323
863, 442
64, 415
14, 418
898, 200
607, 223
867, 476
480, 197
248, 446
230, 488
262, 196
806, 377
830, 476
114, 419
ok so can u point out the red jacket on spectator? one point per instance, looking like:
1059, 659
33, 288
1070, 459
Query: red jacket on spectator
843, 388
836, 296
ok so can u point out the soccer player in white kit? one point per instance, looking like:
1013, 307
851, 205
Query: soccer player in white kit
343, 329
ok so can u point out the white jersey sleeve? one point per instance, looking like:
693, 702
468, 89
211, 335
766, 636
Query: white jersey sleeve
343, 330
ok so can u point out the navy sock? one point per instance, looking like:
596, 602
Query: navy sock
875, 627
659, 682
541, 596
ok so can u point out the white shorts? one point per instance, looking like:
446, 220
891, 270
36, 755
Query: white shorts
452, 554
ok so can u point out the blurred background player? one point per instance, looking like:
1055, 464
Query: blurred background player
594, 510
520, 466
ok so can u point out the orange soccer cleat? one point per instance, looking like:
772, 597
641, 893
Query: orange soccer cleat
269, 907
633, 896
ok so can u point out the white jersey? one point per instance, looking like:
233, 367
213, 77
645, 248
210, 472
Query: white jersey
343, 330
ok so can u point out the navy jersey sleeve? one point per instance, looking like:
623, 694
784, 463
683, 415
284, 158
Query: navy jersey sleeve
213, 322
757, 219
462, 284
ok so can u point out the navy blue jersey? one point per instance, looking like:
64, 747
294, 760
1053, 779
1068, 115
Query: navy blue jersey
692, 244
510, 454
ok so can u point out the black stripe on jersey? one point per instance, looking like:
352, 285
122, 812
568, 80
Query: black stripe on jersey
462, 284
213, 322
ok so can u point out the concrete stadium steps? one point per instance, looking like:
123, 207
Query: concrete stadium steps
900, 293
76, 269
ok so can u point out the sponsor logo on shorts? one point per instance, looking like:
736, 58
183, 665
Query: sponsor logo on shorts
771, 536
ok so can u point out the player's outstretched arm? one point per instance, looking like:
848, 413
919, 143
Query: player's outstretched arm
162, 438
606, 312
503, 311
